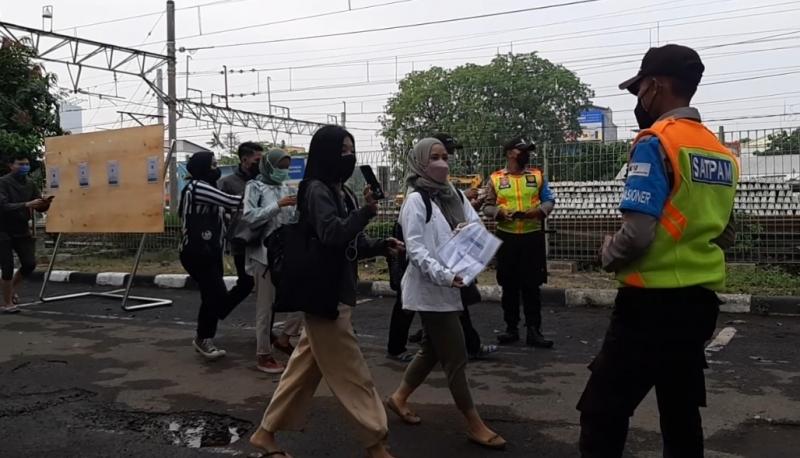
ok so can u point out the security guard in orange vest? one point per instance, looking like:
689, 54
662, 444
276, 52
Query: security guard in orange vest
519, 198
668, 256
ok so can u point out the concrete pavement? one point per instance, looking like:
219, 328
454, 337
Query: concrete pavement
81, 378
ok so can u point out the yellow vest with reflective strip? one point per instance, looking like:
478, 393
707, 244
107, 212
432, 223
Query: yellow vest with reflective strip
518, 193
704, 175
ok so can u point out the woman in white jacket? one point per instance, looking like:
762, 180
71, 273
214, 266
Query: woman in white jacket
431, 289
269, 204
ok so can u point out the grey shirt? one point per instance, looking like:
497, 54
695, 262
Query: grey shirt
639, 230
234, 184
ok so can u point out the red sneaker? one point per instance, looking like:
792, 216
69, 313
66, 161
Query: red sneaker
267, 364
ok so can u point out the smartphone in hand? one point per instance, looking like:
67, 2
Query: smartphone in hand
372, 181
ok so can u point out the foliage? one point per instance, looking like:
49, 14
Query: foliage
748, 231
486, 105
228, 159
587, 161
28, 105
782, 142
379, 230
764, 280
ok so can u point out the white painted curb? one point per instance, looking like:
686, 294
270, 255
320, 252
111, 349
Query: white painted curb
735, 303
177, 281
590, 297
382, 288
60, 276
111, 278
230, 282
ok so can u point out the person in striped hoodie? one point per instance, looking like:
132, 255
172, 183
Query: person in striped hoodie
202, 211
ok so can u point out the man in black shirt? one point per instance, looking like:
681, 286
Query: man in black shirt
234, 184
19, 197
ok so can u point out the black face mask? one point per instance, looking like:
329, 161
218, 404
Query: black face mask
347, 165
523, 159
213, 176
643, 118
253, 170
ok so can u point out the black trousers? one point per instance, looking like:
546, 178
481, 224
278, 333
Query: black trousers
216, 303
521, 270
244, 282
650, 343
25, 247
401, 323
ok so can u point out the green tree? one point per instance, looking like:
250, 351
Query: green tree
228, 144
28, 103
783, 142
485, 105
587, 161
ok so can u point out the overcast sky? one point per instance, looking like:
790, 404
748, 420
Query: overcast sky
756, 43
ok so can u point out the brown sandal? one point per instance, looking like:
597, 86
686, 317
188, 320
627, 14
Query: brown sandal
409, 418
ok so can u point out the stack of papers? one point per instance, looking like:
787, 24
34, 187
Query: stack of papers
469, 251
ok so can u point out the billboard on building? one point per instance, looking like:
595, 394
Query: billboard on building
592, 122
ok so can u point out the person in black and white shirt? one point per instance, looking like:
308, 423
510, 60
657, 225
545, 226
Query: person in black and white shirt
202, 213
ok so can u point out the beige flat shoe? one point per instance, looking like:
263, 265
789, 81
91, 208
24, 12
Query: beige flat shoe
495, 443
408, 418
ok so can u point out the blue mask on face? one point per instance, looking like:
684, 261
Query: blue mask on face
23, 170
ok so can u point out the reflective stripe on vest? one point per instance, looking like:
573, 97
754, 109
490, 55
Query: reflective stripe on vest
699, 206
518, 193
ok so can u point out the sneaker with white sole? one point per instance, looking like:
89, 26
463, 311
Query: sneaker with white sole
207, 348
268, 365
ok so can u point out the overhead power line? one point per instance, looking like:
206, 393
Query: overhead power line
143, 15
404, 26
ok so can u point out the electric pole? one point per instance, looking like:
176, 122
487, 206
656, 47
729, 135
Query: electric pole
160, 102
172, 107
344, 114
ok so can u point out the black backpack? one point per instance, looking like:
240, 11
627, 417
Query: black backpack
399, 264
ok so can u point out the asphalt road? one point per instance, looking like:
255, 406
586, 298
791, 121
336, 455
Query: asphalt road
82, 378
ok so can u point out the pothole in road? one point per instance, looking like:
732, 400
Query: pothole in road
186, 429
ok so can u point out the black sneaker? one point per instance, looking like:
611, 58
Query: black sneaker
416, 337
508, 337
536, 339
207, 348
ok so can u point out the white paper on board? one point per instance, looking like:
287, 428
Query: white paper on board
83, 174
54, 177
112, 169
152, 169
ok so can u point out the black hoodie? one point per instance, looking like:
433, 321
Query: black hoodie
332, 210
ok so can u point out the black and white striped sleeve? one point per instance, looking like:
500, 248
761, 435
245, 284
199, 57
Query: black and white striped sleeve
206, 194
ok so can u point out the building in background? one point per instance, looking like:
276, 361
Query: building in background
71, 117
597, 125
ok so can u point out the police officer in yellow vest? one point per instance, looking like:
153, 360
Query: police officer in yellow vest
519, 198
668, 256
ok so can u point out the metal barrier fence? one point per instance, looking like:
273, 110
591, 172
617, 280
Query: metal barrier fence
587, 179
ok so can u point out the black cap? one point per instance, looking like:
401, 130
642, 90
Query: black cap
670, 60
518, 143
448, 141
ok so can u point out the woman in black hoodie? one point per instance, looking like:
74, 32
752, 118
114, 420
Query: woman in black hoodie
328, 347
202, 212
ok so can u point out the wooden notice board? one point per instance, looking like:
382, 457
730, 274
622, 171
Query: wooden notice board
107, 182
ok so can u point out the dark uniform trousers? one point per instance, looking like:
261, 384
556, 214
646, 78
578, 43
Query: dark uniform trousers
655, 339
521, 270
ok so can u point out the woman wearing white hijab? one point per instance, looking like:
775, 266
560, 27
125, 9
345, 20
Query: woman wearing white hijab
431, 289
